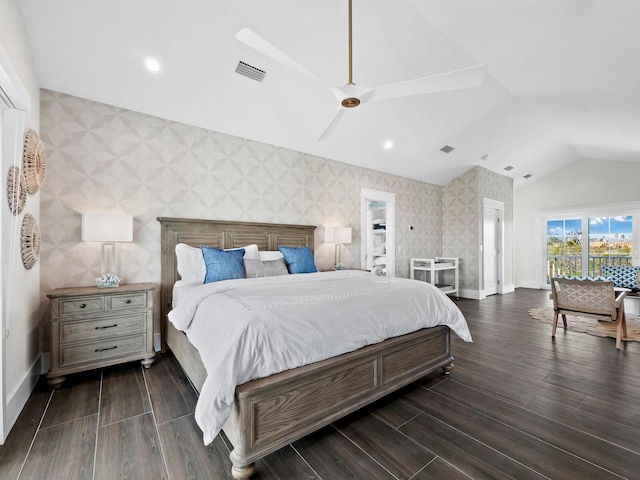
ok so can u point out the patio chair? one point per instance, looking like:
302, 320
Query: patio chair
588, 298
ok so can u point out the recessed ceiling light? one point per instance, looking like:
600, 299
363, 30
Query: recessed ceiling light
152, 64
388, 145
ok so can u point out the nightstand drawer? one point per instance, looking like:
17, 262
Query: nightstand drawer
95, 352
70, 307
132, 300
100, 328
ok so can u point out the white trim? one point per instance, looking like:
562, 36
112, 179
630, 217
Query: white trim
472, 294
11, 85
17, 399
390, 200
14, 95
499, 206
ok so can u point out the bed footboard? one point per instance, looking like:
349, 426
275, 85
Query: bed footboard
272, 412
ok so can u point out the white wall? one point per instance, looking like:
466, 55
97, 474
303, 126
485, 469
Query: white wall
587, 182
22, 346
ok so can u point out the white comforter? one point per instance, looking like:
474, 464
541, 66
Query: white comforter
252, 328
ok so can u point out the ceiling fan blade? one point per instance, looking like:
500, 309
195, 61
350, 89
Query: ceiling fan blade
457, 79
255, 41
330, 128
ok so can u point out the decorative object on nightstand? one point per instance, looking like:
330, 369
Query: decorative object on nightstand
33, 161
339, 236
94, 328
29, 241
108, 229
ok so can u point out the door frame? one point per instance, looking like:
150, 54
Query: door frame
499, 206
389, 198
15, 102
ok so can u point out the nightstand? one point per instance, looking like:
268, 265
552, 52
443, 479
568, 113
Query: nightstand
95, 327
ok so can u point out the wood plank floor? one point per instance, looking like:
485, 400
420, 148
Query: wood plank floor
518, 405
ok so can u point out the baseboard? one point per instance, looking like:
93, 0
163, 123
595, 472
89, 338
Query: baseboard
510, 288
480, 295
157, 342
17, 400
529, 284
472, 294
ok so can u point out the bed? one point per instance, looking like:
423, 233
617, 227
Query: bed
269, 413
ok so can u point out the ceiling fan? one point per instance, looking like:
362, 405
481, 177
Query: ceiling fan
352, 95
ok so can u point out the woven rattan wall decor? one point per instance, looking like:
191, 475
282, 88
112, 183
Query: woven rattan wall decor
29, 241
33, 161
16, 190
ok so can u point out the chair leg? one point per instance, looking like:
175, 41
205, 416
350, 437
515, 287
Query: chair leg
555, 324
564, 320
619, 332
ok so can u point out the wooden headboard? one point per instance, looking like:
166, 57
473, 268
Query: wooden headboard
220, 234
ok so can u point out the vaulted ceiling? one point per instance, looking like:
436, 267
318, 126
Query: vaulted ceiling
562, 80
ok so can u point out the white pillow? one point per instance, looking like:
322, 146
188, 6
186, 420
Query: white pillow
268, 255
191, 266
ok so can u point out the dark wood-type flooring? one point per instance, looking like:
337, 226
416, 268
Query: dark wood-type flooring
517, 405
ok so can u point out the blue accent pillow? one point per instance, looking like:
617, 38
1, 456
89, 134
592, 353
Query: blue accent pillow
222, 264
298, 259
624, 276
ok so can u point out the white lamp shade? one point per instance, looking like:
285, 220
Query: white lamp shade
337, 234
103, 227
343, 235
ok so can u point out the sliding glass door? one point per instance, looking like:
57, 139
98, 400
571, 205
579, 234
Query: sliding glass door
581, 245
610, 242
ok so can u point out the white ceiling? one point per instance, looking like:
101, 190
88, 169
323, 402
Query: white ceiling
563, 77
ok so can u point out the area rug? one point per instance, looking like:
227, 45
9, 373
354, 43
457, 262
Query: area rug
589, 325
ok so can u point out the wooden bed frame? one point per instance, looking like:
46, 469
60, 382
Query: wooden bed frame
271, 412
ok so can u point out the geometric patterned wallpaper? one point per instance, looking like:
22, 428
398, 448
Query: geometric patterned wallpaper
498, 187
106, 159
462, 212
461, 221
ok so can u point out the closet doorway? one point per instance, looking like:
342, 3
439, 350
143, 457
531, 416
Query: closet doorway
378, 232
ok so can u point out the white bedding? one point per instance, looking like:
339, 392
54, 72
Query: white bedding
252, 328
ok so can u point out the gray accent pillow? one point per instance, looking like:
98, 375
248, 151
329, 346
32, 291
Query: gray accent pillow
265, 268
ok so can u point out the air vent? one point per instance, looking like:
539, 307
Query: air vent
250, 71
528, 175
508, 168
446, 149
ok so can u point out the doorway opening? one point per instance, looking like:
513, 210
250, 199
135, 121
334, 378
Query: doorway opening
492, 247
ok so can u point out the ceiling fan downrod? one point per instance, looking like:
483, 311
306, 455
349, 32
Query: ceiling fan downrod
350, 102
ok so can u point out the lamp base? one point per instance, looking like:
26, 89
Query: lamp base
108, 280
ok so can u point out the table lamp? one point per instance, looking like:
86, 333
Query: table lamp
339, 236
108, 229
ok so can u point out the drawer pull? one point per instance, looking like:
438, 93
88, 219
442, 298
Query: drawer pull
128, 300
83, 305
105, 349
108, 326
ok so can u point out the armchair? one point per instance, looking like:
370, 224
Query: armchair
588, 298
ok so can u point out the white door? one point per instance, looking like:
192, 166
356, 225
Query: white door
491, 248
3, 434
14, 101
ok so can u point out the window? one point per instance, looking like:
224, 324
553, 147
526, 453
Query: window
564, 247
580, 243
610, 242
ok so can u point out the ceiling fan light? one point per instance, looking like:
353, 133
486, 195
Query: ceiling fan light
350, 102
